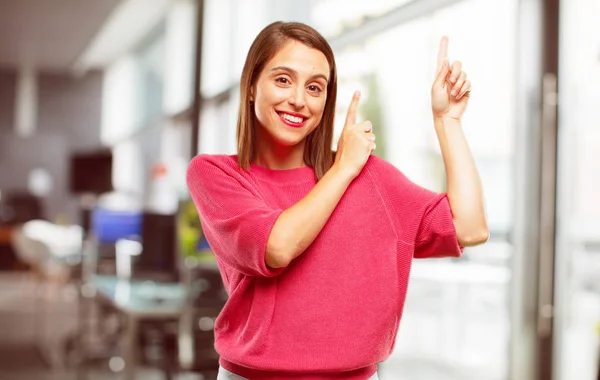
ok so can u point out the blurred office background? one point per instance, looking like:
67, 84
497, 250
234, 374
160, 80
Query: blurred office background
103, 269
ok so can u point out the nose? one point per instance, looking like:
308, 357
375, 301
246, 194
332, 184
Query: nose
297, 97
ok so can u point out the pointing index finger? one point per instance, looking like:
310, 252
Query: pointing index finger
351, 116
443, 52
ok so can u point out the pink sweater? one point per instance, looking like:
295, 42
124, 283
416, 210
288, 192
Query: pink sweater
334, 311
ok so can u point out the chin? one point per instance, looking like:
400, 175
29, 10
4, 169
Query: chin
287, 136
288, 141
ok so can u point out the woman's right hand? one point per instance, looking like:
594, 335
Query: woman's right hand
356, 143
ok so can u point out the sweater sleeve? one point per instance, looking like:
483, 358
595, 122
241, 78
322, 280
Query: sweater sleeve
424, 216
235, 219
436, 236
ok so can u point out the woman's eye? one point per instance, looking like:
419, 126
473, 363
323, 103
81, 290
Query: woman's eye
314, 88
282, 80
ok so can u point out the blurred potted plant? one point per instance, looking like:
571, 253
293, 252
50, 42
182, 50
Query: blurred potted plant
192, 243
371, 110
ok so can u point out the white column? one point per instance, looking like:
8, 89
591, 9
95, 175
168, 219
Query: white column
26, 105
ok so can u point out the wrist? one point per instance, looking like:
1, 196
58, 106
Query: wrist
445, 121
343, 172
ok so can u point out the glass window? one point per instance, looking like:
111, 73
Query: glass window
120, 99
455, 323
218, 121
228, 34
217, 46
331, 17
128, 172
180, 56
577, 283
151, 65
245, 31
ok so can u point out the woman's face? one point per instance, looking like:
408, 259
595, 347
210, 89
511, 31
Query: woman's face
289, 95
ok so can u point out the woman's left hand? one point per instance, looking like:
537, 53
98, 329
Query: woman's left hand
451, 89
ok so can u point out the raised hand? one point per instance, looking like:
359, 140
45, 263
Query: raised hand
451, 90
357, 141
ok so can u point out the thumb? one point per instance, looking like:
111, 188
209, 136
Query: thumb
351, 116
440, 80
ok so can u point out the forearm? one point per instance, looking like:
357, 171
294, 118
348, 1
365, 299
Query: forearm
297, 227
463, 184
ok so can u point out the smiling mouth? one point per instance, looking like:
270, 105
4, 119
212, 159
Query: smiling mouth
291, 120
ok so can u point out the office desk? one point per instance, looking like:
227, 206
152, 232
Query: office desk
137, 300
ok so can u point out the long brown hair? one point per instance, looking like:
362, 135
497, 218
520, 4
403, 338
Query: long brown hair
317, 151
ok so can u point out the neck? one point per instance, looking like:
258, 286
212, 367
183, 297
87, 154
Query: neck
270, 155
280, 158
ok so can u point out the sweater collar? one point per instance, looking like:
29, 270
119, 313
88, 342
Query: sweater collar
287, 176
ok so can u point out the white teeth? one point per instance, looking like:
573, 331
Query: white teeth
291, 118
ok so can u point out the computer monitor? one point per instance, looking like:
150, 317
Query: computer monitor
159, 256
91, 172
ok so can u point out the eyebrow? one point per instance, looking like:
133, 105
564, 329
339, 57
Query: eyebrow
289, 69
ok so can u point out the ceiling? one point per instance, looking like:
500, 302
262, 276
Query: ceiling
49, 34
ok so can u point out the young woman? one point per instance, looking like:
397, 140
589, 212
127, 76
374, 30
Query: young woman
315, 246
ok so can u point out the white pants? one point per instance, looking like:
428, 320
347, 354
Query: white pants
226, 375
